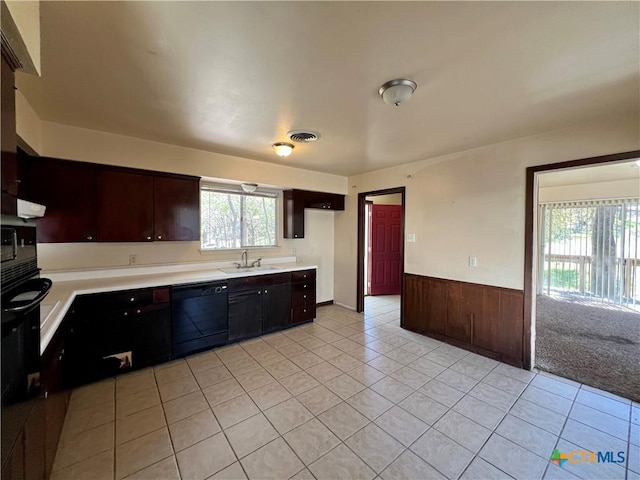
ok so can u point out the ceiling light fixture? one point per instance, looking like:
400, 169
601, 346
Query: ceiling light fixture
282, 149
249, 187
397, 91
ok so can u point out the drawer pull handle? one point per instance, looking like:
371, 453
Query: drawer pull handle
132, 299
304, 296
304, 286
304, 310
89, 237
159, 237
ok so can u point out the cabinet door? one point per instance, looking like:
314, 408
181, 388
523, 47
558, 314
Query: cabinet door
8, 159
293, 201
125, 207
464, 308
245, 313
276, 307
34, 442
68, 190
435, 305
176, 209
151, 335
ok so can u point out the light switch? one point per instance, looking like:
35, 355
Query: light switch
473, 261
411, 237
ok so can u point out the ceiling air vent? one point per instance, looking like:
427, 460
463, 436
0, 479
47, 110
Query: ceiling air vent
303, 136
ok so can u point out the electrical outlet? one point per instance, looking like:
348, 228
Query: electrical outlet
133, 259
411, 237
473, 261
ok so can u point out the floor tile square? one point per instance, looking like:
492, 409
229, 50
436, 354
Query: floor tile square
83, 445
223, 391
555, 386
376, 447
442, 453
546, 399
232, 472
250, 434
504, 383
527, 436
521, 464
178, 388
319, 399
423, 407
171, 371
363, 354
366, 374
299, 382
410, 377
203, 361
464, 431
345, 362
604, 404
291, 349
493, 396
324, 371
184, 407
142, 452
344, 386
369, 403
602, 421
212, 376
311, 440
98, 467
409, 466
197, 461
539, 416
385, 364
457, 380
401, 355
306, 360
166, 469
135, 381
235, 410
472, 369
479, 411
83, 418
392, 389
137, 401
401, 425
343, 420
269, 395
288, 415
139, 424
346, 345
327, 351
444, 357
428, 367
590, 438
191, 430
341, 463
480, 469
255, 379
274, 461
282, 369
516, 373
243, 365
442, 392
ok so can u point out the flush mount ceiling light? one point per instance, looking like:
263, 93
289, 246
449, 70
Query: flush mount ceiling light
397, 91
282, 149
249, 187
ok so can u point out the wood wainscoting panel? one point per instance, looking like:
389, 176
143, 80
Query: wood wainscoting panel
481, 318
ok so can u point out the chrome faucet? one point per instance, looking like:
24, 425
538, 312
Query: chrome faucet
243, 259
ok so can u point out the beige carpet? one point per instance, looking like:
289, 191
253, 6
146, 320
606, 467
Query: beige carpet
594, 345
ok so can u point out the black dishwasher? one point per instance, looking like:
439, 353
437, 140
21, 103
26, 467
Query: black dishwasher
199, 317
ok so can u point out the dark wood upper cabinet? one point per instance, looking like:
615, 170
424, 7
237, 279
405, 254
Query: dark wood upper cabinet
295, 202
9, 140
124, 207
68, 190
176, 208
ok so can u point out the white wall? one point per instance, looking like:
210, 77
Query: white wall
62, 141
472, 203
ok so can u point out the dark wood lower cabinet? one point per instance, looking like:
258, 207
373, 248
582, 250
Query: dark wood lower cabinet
481, 318
245, 313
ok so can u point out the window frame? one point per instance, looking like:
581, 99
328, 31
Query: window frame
237, 190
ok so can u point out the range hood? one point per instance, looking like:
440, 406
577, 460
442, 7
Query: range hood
30, 209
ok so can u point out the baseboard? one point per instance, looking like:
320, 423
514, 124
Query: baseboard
324, 304
348, 307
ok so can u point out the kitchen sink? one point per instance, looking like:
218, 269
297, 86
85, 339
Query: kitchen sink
265, 268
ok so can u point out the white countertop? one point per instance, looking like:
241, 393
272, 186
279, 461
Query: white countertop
68, 285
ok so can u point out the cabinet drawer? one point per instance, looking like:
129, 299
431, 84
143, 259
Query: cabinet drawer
248, 283
303, 299
303, 314
122, 300
304, 287
303, 276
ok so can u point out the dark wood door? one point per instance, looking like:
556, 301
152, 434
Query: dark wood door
385, 275
276, 307
8, 158
125, 207
176, 209
464, 309
434, 303
245, 313
413, 317
68, 190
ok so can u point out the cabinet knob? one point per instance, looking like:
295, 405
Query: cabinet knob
126, 314
304, 276
138, 311
296, 236
148, 238
265, 291
132, 299
159, 237
304, 286
89, 237
304, 296
259, 292
304, 310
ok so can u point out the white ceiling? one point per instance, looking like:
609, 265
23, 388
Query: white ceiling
234, 77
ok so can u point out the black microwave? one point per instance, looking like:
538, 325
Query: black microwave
17, 249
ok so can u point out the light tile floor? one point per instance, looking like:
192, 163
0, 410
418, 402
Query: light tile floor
349, 396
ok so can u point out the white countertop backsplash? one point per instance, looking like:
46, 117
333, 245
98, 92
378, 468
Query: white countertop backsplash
67, 285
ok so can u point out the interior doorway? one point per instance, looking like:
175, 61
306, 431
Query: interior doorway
381, 253
582, 271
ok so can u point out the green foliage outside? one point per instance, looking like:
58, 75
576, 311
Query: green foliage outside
564, 279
